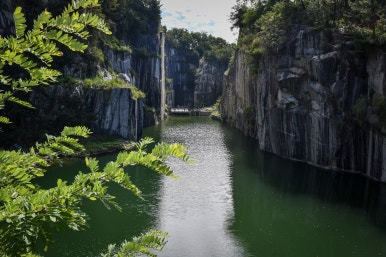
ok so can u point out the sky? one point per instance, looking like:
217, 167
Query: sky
211, 16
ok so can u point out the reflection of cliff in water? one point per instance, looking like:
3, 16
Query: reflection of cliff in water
287, 208
336, 187
298, 178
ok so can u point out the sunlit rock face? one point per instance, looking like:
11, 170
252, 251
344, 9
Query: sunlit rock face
310, 102
107, 111
111, 112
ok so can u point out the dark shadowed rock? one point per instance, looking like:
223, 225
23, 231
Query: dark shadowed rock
303, 103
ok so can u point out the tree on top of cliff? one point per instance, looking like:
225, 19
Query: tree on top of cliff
128, 21
196, 45
132, 17
264, 25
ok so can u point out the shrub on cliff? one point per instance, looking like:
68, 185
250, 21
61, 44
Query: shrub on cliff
264, 23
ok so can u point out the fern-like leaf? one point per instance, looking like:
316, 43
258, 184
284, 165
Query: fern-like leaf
144, 244
92, 164
20, 102
20, 22
4, 120
42, 20
80, 131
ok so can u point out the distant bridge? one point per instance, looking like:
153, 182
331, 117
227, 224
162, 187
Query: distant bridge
189, 111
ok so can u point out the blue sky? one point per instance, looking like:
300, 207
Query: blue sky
211, 16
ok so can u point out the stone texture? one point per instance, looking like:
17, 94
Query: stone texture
192, 82
299, 103
208, 83
181, 71
111, 112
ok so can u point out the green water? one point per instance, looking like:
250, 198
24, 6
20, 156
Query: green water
235, 201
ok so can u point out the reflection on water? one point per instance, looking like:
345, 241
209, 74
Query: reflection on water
286, 208
236, 201
196, 208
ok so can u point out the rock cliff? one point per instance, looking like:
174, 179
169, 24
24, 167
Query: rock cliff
180, 69
317, 100
195, 64
208, 83
192, 83
111, 112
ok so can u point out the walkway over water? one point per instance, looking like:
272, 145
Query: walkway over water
189, 111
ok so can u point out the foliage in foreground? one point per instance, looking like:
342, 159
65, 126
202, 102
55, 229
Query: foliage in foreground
29, 214
26, 57
153, 239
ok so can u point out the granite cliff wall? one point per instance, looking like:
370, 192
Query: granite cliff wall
317, 100
192, 83
180, 70
208, 83
111, 111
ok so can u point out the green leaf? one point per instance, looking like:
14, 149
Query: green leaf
4, 120
20, 22
92, 164
42, 20
20, 102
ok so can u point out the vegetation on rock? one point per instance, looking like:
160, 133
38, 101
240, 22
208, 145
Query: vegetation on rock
195, 45
265, 24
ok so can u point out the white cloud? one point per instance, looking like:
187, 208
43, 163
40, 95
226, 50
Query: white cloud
211, 16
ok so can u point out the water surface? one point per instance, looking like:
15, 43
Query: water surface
236, 201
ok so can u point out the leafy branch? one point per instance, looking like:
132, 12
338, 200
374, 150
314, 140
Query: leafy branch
32, 52
28, 213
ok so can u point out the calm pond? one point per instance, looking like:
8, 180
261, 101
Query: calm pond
235, 201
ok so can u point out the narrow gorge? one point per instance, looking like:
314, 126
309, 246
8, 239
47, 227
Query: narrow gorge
278, 140
319, 97
88, 93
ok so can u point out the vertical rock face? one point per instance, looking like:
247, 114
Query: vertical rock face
141, 71
116, 113
147, 67
111, 112
181, 70
208, 83
304, 103
192, 84
7, 26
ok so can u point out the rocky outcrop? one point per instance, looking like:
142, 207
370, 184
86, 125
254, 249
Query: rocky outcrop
314, 101
192, 83
106, 111
147, 73
111, 111
141, 71
180, 70
208, 83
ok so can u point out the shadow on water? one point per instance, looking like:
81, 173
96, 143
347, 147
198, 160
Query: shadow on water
106, 226
235, 201
288, 208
